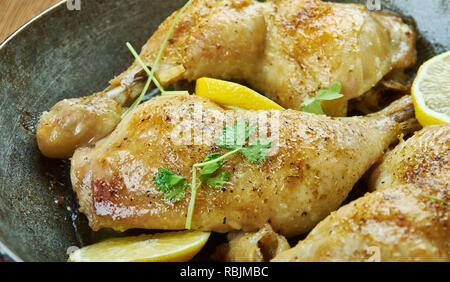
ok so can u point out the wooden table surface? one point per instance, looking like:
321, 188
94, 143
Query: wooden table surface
15, 13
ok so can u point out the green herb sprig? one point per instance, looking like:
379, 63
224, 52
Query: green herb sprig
151, 73
208, 171
436, 199
232, 138
313, 105
172, 185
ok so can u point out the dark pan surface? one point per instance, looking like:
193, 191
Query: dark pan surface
67, 54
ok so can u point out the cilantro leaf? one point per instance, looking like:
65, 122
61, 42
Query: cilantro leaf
336, 87
313, 105
257, 153
328, 96
235, 137
232, 138
172, 185
176, 193
208, 170
218, 181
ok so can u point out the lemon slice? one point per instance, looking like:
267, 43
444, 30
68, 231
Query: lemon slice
431, 91
161, 247
233, 95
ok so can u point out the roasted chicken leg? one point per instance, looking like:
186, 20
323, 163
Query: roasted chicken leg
287, 50
395, 223
423, 160
399, 221
315, 162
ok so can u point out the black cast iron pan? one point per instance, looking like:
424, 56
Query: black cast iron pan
68, 53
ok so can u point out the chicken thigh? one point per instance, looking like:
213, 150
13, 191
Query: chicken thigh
286, 49
422, 160
314, 162
395, 223
406, 219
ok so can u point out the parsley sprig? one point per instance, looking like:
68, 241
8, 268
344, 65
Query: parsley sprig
313, 105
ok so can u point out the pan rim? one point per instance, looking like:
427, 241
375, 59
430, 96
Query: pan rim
9, 253
12, 35
3, 246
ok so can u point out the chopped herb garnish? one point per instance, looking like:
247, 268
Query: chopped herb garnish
436, 199
313, 105
172, 185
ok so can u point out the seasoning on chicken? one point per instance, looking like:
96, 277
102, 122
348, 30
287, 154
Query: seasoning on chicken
407, 218
286, 49
315, 163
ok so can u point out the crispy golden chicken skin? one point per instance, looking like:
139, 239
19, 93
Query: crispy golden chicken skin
395, 223
287, 50
399, 220
315, 162
422, 160
76, 122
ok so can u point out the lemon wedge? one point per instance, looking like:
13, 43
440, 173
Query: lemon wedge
178, 246
233, 95
431, 91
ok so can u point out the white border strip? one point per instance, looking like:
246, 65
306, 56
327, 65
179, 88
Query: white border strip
9, 253
29, 22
